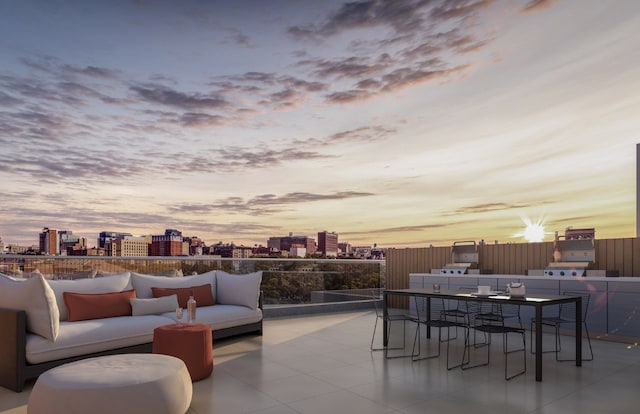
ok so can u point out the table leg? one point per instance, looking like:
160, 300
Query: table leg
579, 332
538, 343
428, 317
385, 314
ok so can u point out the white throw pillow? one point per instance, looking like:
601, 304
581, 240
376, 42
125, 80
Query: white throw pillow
37, 299
143, 283
106, 284
153, 306
241, 290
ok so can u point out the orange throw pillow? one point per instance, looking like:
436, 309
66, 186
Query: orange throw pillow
83, 306
202, 294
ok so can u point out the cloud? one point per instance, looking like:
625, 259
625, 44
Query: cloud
91, 71
303, 197
425, 47
458, 9
400, 229
239, 38
231, 158
8, 100
199, 120
264, 204
537, 5
362, 134
157, 94
487, 207
400, 15
351, 67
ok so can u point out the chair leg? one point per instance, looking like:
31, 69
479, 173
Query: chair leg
466, 362
416, 356
450, 367
558, 348
385, 348
506, 351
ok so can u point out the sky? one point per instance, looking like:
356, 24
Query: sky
403, 123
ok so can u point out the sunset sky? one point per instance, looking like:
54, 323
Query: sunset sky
402, 123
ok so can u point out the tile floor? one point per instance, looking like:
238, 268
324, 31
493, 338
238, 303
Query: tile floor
322, 364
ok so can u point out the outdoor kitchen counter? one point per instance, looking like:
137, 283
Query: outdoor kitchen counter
612, 309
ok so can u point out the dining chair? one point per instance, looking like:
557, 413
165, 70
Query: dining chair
566, 316
437, 317
490, 326
393, 315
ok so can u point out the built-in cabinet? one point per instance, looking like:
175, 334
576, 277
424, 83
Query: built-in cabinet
614, 305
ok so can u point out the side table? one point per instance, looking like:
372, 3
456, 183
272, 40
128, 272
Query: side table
191, 343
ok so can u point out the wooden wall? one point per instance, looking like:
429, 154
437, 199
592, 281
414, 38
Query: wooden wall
621, 255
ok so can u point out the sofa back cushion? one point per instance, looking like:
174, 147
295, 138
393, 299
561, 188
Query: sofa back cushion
202, 294
143, 283
36, 298
241, 290
83, 306
106, 284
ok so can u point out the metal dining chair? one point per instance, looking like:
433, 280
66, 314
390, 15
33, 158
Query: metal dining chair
437, 317
566, 316
393, 315
490, 326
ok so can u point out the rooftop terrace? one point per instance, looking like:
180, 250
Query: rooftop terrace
322, 364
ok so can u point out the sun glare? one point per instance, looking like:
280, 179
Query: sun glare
533, 232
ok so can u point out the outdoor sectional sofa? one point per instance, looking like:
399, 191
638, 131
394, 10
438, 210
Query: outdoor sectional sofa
46, 323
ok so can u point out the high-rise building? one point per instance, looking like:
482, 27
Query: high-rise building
171, 243
49, 242
70, 242
106, 236
328, 243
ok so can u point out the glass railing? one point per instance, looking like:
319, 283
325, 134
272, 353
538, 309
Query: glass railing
285, 282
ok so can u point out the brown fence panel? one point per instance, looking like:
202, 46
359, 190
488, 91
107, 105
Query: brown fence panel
515, 258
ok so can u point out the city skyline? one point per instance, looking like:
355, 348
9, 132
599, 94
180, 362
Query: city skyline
401, 123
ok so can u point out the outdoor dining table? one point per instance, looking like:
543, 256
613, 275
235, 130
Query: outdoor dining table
537, 301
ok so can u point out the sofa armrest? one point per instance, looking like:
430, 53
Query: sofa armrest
13, 325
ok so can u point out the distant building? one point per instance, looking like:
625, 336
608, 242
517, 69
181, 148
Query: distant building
128, 246
106, 236
262, 251
297, 250
230, 250
1, 246
284, 243
16, 249
163, 245
328, 243
69, 242
344, 249
49, 242
362, 252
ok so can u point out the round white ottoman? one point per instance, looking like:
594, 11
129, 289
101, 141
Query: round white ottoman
121, 384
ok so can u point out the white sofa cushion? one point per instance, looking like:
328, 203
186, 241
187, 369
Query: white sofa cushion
153, 306
106, 284
143, 283
224, 316
95, 335
241, 290
38, 301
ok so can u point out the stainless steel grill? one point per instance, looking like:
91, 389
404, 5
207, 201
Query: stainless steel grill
573, 255
464, 256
